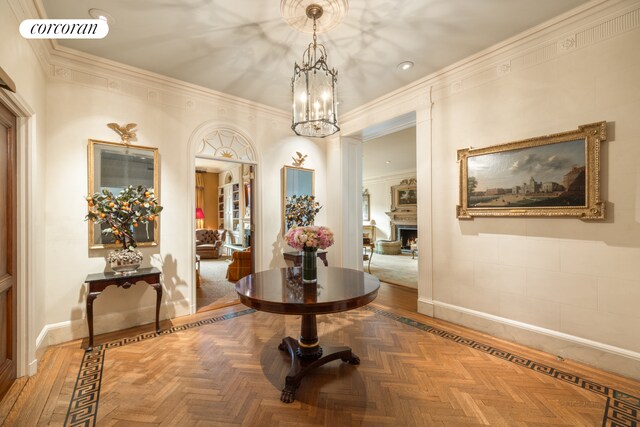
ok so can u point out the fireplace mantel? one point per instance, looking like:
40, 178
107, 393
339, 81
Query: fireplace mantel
403, 216
404, 209
404, 203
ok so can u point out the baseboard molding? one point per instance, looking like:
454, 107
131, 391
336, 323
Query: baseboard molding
603, 356
425, 306
57, 333
32, 368
42, 336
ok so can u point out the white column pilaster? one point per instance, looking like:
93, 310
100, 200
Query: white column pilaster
425, 231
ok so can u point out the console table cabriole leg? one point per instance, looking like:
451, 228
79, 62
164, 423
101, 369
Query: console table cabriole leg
158, 288
90, 298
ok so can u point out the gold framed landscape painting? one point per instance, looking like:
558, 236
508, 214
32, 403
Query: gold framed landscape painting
549, 176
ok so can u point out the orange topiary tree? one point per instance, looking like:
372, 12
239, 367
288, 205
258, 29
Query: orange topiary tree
124, 212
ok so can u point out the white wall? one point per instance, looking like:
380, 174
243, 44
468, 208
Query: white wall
574, 277
81, 99
563, 285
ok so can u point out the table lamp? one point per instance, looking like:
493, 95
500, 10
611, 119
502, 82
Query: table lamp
199, 218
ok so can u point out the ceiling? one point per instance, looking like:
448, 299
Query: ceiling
245, 48
390, 154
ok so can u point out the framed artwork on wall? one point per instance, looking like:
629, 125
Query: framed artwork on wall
548, 176
404, 195
407, 196
366, 209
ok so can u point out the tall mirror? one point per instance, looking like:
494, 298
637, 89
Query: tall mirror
115, 166
295, 181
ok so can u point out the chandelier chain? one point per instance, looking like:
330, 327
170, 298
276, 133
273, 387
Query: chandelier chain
315, 37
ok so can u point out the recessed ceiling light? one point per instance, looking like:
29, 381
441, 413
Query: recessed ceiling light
404, 66
388, 161
101, 14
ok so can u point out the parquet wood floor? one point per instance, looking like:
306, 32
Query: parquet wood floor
223, 368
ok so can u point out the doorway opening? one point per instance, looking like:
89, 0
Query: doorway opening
389, 208
223, 231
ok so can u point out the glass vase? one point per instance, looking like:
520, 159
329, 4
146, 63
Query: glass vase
309, 266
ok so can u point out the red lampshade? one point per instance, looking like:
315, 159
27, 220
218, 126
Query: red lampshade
199, 213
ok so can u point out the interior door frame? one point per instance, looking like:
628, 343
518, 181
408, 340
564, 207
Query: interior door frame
27, 340
256, 202
252, 179
252, 209
8, 371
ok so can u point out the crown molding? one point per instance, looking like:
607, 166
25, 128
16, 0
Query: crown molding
118, 76
59, 62
578, 28
82, 68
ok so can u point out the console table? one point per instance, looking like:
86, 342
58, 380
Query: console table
281, 291
368, 244
100, 281
296, 257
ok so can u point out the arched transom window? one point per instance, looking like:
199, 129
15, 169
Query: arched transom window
226, 144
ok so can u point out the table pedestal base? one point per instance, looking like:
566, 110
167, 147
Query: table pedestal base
304, 359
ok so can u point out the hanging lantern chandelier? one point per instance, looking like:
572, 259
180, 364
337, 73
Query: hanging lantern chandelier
313, 87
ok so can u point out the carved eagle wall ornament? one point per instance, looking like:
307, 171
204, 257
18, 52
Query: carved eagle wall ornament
299, 162
126, 132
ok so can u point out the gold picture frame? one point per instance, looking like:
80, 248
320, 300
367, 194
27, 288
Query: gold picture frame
366, 208
548, 176
112, 165
405, 195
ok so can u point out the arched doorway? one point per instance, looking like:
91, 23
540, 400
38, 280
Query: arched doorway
223, 165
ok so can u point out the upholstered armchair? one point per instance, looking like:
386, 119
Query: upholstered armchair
209, 242
240, 265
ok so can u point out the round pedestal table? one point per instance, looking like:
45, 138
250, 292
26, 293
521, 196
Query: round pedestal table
281, 291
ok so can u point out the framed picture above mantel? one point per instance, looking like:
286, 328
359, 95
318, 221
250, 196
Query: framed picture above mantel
548, 176
404, 195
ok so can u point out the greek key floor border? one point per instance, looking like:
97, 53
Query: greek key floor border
621, 410
83, 407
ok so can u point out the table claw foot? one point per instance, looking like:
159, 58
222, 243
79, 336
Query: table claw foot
351, 360
288, 394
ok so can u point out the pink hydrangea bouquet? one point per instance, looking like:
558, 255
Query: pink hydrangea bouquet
309, 237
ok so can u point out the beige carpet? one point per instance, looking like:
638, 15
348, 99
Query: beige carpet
396, 269
214, 287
